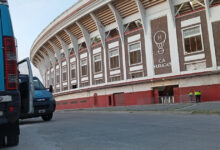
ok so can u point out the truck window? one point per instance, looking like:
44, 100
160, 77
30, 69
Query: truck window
38, 85
23, 69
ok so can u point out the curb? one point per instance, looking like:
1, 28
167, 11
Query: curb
193, 112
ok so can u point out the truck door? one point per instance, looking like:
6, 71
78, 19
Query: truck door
26, 86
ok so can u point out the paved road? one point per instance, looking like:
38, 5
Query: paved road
121, 131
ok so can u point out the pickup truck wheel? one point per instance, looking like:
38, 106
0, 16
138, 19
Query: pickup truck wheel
2, 142
12, 140
47, 117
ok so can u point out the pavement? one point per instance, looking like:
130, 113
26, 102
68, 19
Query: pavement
191, 108
145, 127
77, 130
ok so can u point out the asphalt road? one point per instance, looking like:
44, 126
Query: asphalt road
121, 131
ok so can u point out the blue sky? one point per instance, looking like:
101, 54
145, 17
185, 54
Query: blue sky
30, 17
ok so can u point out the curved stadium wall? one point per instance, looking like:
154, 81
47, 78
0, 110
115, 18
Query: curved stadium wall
102, 53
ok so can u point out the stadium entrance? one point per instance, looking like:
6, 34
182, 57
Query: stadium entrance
166, 94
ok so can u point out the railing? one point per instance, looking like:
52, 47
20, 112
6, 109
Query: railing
166, 99
177, 99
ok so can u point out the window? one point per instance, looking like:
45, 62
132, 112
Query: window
114, 59
57, 89
99, 81
64, 73
73, 71
65, 88
96, 39
133, 25
37, 84
84, 84
74, 86
115, 78
62, 55
58, 76
82, 46
97, 63
136, 75
71, 51
192, 39
112, 33
84, 71
135, 53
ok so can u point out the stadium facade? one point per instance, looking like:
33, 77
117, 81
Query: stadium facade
102, 53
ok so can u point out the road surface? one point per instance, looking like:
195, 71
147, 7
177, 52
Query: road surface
121, 131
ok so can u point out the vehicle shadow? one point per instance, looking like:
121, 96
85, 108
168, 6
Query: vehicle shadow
30, 122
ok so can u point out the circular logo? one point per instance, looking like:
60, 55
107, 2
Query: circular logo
160, 37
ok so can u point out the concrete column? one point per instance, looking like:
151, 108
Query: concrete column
88, 44
174, 53
121, 32
47, 65
58, 54
147, 37
76, 50
53, 62
101, 30
210, 32
67, 55
42, 70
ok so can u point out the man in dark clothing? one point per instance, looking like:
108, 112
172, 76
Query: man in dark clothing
198, 96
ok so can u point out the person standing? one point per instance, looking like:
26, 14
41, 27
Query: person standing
198, 96
191, 96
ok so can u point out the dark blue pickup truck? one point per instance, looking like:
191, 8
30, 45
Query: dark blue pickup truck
43, 103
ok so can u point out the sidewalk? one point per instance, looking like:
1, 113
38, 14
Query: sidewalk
191, 108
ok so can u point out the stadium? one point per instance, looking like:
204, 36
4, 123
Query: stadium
102, 53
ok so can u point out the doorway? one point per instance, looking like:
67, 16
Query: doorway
110, 100
166, 94
119, 99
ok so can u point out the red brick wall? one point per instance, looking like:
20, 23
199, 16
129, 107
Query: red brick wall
208, 92
134, 98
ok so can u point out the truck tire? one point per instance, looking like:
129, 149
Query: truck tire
47, 117
2, 142
12, 140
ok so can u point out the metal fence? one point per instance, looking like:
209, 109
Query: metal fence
177, 99
167, 100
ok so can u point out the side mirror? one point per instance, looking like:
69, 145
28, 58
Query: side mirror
51, 89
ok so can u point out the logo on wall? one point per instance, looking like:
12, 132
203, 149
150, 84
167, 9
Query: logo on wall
160, 39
